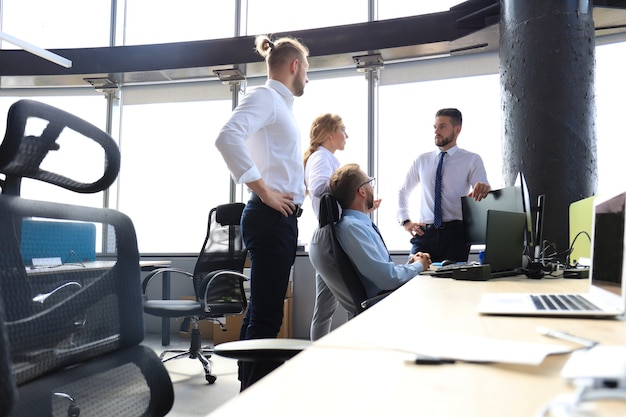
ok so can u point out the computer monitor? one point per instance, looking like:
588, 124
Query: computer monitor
515, 198
529, 234
534, 234
538, 249
475, 212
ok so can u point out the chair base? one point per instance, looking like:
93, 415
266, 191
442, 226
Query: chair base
195, 351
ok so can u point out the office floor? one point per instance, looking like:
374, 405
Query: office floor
193, 396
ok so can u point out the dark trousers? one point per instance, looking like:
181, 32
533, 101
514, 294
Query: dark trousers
271, 240
445, 243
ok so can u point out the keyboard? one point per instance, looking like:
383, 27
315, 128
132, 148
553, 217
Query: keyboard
456, 266
473, 271
562, 302
446, 271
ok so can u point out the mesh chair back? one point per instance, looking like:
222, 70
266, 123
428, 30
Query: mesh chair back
223, 247
72, 331
66, 314
8, 390
332, 263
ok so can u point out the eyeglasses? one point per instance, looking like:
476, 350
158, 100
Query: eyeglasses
371, 181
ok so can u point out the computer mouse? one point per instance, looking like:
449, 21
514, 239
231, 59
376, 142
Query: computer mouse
446, 262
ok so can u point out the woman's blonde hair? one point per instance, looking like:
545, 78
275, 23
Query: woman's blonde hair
323, 126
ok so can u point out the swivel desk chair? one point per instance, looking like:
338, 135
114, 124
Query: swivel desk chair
217, 284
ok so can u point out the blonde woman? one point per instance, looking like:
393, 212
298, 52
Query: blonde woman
328, 135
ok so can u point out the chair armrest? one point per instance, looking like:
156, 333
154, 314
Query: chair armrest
220, 284
177, 272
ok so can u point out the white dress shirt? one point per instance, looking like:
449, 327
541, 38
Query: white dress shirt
262, 140
319, 168
461, 170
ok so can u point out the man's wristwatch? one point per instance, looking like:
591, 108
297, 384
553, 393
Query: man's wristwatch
403, 222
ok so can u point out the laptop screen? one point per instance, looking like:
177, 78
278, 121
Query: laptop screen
608, 244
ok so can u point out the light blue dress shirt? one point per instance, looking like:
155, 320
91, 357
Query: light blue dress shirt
368, 253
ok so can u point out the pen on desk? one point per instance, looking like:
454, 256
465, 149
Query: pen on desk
432, 360
559, 334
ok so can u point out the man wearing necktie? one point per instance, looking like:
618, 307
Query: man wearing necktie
360, 238
446, 175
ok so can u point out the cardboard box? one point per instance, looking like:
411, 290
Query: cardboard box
233, 325
289, 293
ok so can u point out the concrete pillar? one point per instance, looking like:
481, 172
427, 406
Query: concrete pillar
547, 67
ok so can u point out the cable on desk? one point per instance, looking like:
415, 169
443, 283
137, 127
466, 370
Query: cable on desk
571, 248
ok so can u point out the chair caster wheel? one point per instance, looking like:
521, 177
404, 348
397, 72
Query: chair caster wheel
210, 378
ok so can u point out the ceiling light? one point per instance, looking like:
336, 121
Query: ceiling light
43, 53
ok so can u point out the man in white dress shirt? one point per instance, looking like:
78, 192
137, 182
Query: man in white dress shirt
462, 173
260, 144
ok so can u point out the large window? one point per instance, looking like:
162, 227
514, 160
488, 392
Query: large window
610, 94
345, 95
172, 174
268, 16
164, 21
57, 24
389, 9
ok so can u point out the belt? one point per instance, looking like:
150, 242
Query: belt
443, 225
296, 212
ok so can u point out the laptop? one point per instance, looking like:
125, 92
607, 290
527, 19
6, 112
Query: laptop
504, 246
606, 296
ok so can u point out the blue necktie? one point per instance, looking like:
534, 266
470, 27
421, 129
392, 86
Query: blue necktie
438, 215
383, 240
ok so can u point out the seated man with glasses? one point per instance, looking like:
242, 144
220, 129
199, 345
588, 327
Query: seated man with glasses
360, 238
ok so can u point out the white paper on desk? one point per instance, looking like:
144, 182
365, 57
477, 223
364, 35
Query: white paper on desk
475, 348
483, 349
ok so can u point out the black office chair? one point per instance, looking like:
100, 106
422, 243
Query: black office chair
333, 264
74, 349
8, 390
217, 284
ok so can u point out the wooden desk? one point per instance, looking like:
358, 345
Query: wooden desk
339, 375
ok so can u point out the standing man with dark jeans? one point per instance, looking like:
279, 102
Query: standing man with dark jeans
440, 227
261, 146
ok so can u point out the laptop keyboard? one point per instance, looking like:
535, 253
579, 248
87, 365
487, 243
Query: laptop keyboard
562, 302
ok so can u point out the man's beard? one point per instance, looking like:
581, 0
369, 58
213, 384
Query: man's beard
444, 141
298, 86
370, 201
